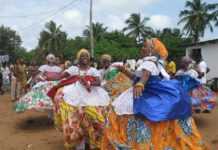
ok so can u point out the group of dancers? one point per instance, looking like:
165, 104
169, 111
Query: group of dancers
117, 109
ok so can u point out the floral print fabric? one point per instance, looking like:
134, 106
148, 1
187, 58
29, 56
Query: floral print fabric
79, 123
134, 133
37, 98
117, 84
203, 98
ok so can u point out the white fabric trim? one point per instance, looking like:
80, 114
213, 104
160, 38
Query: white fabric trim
47, 68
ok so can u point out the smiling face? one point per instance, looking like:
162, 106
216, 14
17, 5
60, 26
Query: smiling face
84, 59
105, 63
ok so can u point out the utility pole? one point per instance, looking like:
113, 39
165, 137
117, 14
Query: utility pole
91, 29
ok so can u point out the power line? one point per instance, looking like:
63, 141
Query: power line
52, 14
37, 14
26, 16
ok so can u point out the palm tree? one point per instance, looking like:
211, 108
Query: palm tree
98, 31
136, 27
215, 15
197, 18
52, 39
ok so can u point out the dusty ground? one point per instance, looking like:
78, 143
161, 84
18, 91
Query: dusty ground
17, 132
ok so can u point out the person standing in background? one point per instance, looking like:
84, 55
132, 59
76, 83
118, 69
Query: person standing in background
32, 73
171, 67
18, 88
1, 81
13, 82
202, 68
6, 76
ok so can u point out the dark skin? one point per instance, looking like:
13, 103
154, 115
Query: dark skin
137, 90
84, 64
105, 63
18, 62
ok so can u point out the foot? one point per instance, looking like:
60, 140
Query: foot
206, 111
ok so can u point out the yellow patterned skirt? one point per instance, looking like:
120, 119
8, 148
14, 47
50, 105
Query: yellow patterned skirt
79, 124
134, 133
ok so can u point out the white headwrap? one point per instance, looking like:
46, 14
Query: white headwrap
51, 58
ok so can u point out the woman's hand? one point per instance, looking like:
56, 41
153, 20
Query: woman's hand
139, 87
86, 84
120, 68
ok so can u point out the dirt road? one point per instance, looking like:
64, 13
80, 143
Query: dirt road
19, 132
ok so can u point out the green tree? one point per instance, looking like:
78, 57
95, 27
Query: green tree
197, 18
118, 45
136, 27
10, 41
98, 31
52, 39
174, 41
73, 46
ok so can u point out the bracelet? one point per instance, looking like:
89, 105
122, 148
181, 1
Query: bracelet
139, 84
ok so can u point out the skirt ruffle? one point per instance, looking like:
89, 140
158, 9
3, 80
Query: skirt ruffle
203, 99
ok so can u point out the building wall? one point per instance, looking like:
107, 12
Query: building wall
210, 55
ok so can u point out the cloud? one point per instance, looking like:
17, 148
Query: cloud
74, 16
160, 21
114, 22
112, 13
122, 6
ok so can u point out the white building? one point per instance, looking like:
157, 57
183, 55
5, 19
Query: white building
209, 52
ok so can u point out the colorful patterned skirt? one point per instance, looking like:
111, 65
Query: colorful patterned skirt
128, 132
117, 84
203, 98
79, 124
37, 98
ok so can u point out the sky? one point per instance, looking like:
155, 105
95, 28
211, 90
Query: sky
28, 17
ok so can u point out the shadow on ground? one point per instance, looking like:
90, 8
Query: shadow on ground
34, 123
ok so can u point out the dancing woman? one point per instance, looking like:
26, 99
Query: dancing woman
80, 104
155, 114
203, 99
37, 98
114, 81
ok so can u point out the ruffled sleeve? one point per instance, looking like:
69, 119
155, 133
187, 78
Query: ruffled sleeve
149, 66
73, 70
42, 68
94, 72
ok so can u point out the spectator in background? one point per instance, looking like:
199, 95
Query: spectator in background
202, 68
60, 62
1, 81
6, 76
171, 66
32, 72
67, 64
18, 87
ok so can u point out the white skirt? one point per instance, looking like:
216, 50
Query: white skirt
123, 104
77, 95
